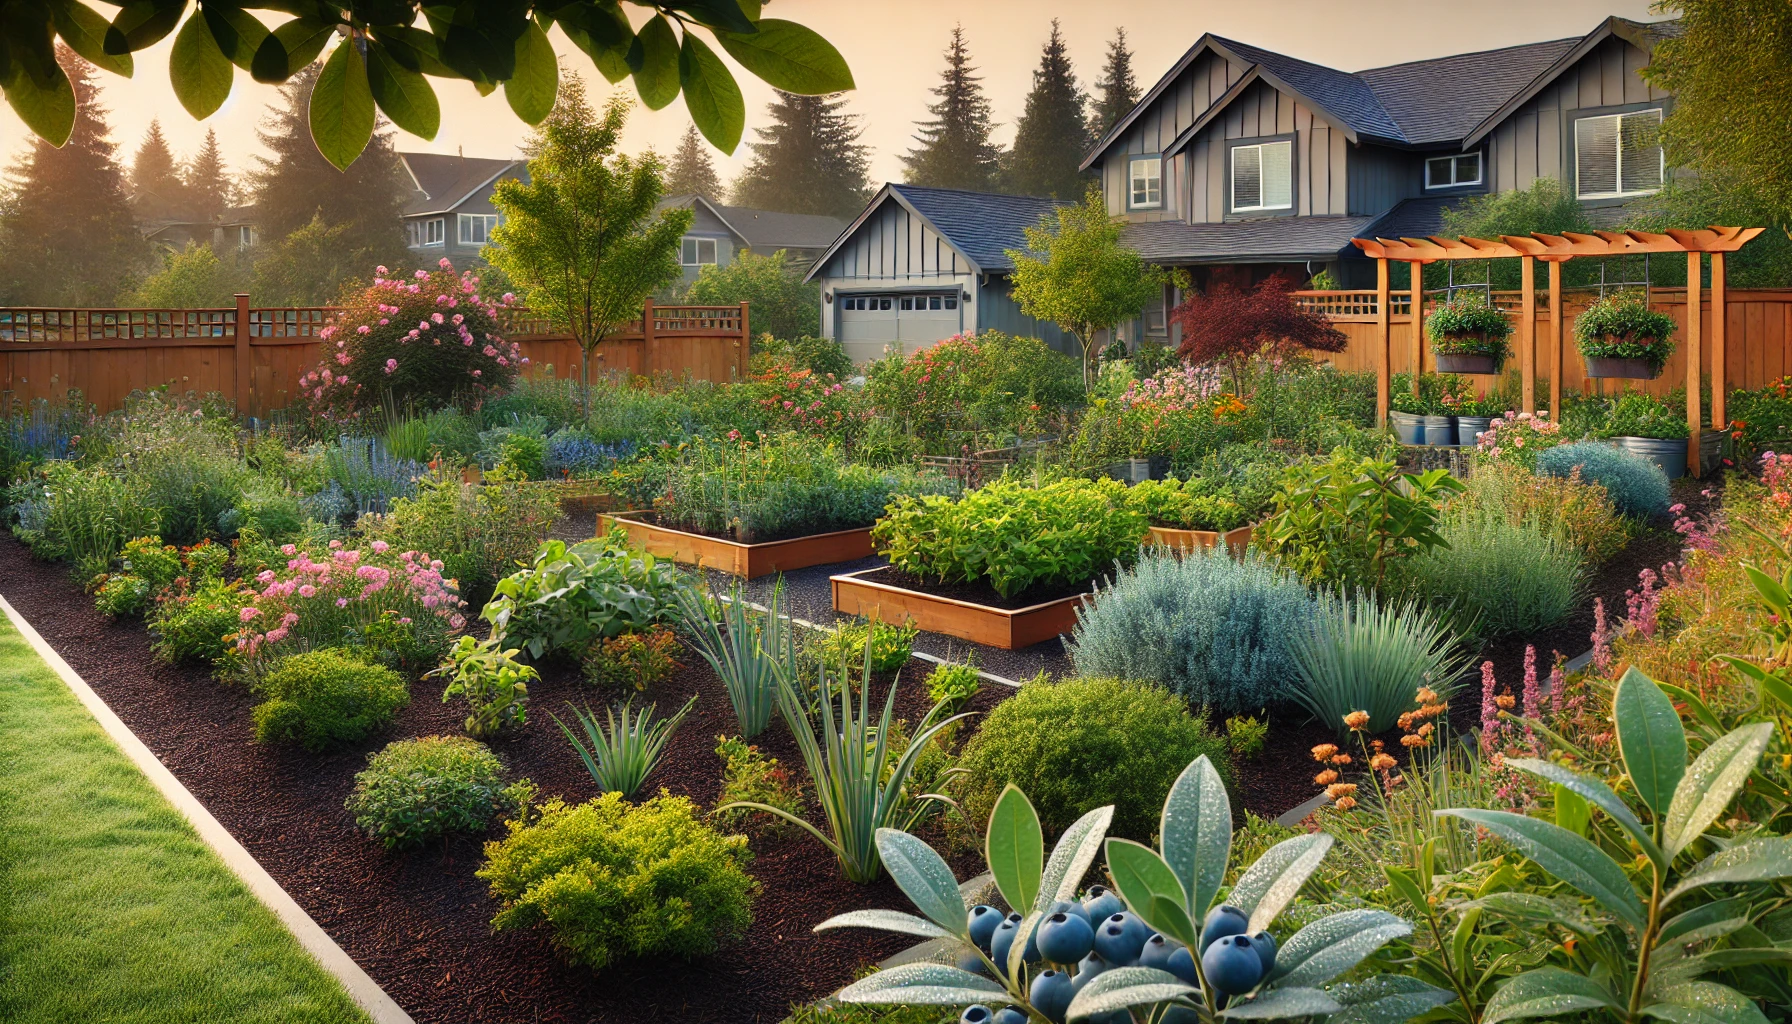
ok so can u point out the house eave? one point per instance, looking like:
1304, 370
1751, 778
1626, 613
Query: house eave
886, 192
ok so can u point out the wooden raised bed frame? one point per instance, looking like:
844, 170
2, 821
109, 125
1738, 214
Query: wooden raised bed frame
1236, 541
748, 561
857, 594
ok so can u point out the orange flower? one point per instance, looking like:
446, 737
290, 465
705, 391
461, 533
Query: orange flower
1427, 695
1506, 701
1356, 721
1324, 750
1405, 721
1339, 790
1340, 758
1344, 803
1414, 740
1325, 778
1381, 762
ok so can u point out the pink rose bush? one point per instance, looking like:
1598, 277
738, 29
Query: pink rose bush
429, 338
1517, 437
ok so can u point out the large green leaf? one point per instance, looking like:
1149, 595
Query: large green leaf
1076, 850
1124, 987
531, 90
1015, 848
886, 920
1726, 958
1712, 782
1147, 885
924, 985
290, 47
82, 28
1385, 999
656, 76
789, 57
1531, 908
405, 95
1705, 922
1268, 885
1600, 795
198, 69
1196, 833
141, 23
239, 33
1332, 945
48, 110
342, 107
711, 94
924, 878
1565, 855
1546, 992
1704, 1002
1281, 1003
1758, 860
1651, 739
604, 33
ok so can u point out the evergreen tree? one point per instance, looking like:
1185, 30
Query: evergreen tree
67, 237
1117, 90
155, 184
954, 150
208, 186
1051, 135
808, 160
691, 170
296, 184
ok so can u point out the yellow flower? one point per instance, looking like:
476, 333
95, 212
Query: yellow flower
1357, 721
1506, 701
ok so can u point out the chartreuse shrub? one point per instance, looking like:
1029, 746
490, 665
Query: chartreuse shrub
1084, 743
1499, 577
1013, 536
1576, 512
1350, 519
1205, 954
322, 698
570, 597
417, 790
1636, 485
1214, 629
612, 880
750, 776
846, 644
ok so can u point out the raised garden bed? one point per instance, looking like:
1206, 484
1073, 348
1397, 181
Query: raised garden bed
975, 613
748, 561
1236, 541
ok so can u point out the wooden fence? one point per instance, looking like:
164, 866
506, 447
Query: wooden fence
253, 355
1758, 350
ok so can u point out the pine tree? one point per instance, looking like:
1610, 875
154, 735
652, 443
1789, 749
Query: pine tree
1051, 135
67, 237
208, 186
954, 150
155, 185
1117, 90
808, 160
691, 171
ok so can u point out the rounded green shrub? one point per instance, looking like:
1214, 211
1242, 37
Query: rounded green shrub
1637, 486
199, 626
417, 790
613, 880
122, 594
1501, 577
1080, 744
322, 698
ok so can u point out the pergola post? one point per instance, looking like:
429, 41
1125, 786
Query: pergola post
1384, 346
1555, 340
1695, 301
1720, 419
1527, 332
1416, 343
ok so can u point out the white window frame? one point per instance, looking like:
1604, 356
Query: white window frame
1145, 191
1618, 156
431, 233
696, 244
486, 221
1232, 176
1455, 160
245, 236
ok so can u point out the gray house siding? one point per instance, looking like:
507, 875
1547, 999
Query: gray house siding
462, 254
705, 224
1379, 177
896, 244
997, 311
1205, 81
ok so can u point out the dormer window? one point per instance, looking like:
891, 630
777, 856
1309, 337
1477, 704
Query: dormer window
1451, 171
1146, 177
1263, 176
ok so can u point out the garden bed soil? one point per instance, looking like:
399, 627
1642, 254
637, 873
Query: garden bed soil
737, 558
419, 922
1035, 616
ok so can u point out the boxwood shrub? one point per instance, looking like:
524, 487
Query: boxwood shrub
417, 790
322, 698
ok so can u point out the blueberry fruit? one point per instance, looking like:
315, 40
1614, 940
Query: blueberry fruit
1003, 940
982, 921
1157, 952
1032, 955
1100, 903
1051, 994
1009, 1015
1065, 938
1087, 968
1072, 908
976, 1013
1232, 965
1120, 938
1265, 945
1222, 920
1182, 965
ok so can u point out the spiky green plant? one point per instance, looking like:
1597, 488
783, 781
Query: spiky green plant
1364, 655
623, 754
751, 650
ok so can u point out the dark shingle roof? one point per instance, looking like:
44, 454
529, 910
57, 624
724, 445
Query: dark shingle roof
1413, 218
446, 179
1275, 238
979, 224
768, 230
1442, 100
1346, 96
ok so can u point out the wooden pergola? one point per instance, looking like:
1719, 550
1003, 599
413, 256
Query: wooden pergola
1556, 250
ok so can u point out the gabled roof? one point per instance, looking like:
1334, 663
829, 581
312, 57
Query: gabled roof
1641, 34
980, 225
1442, 100
445, 181
1347, 98
765, 231
1271, 240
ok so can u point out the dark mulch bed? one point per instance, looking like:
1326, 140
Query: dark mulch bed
419, 922
978, 592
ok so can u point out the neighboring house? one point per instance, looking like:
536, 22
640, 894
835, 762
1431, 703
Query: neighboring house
922, 264
449, 212
718, 232
1241, 162
232, 233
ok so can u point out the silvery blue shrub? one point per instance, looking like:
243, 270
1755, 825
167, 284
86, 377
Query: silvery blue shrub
1636, 485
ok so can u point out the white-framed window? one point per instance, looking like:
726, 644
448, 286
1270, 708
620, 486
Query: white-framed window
476, 228
1263, 176
1145, 177
426, 232
245, 236
697, 252
924, 302
1450, 171
1618, 155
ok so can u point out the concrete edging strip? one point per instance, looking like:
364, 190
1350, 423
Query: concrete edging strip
331, 957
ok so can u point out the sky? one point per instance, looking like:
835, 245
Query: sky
895, 49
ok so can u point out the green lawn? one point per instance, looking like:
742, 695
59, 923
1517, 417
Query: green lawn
111, 908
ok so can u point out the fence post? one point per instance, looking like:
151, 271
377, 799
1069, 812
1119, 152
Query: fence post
245, 380
746, 343
647, 338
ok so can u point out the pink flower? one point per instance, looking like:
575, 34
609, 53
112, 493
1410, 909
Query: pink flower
509, 297
420, 275
380, 546
382, 271
391, 364
289, 618
307, 591
363, 329
477, 373
342, 602
444, 264
384, 321
437, 317
248, 612
342, 358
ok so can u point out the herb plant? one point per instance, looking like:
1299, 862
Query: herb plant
494, 683
413, 791
324, 698
1640, 414
1616, 327
1467, 325
633, 660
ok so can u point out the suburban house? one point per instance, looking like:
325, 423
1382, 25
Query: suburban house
449, 212
718, 232
1241, 161
922, 264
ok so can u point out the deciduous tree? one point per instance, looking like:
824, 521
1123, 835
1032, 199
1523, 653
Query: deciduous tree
779, 302
580, 237
691, 171
954, 150
808, 160
1052, 134
1231, 326
1117, 90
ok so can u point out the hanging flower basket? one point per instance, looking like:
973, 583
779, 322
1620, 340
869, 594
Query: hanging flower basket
1624, 338
1453, 362
1468, 335
1629, 369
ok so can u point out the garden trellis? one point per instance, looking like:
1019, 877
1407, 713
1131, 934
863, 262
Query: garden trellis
1556, 250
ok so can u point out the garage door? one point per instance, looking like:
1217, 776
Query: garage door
868, 323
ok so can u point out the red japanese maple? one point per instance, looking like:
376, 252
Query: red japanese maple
1230, 326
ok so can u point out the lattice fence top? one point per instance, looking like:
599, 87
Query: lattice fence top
21, 325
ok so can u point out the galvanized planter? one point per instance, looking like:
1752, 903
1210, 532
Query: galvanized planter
1668, 453
1440, 431
1629, 369
1407, 428
1468, 429
1448, 362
